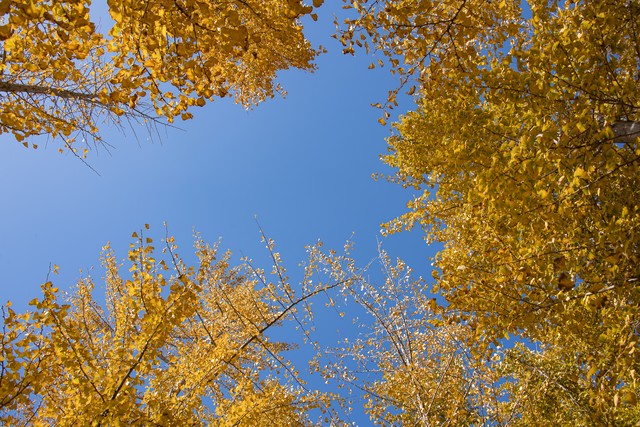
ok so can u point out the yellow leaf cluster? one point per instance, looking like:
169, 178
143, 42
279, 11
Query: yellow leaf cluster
524, 148
172, 345
60, 75
416, 361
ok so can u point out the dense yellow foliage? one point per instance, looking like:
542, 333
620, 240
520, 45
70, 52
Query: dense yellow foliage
524, 146
61, 75
172, 345
523, 150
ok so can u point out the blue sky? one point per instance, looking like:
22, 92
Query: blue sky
302, 165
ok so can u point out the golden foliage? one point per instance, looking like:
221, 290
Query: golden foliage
410, 366
417, 362
171, 345
60, 75
524, 145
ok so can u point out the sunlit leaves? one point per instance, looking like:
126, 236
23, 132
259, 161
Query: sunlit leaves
409, 364
172, 345
62, 76
524, 145
205, 50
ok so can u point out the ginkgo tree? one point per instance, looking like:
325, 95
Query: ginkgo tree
414, 362
405, 365
172, 345
524, 150
62, 75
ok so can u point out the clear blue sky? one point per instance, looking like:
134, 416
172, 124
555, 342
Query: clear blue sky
302, 164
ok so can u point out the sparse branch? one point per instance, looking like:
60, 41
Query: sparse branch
281, 316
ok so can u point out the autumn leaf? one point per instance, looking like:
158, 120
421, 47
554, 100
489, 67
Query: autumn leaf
527, 171
160, 346
62, 76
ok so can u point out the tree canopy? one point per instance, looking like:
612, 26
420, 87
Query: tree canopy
523, 151
61, 74
524, 144
172, 345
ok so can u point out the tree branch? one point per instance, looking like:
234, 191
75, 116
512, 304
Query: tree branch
9, 87
626, 132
